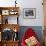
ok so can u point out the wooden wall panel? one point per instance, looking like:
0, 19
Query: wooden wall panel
44, 6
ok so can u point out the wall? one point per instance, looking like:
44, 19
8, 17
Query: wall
7, 3
38, 21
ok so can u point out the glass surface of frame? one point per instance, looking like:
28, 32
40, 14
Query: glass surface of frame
29, 13
5, 12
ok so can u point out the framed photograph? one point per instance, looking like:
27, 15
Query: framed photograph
29, 13
13, 12
5, 12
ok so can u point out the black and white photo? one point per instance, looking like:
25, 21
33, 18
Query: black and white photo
29, 13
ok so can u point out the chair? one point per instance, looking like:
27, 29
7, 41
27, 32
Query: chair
29, 33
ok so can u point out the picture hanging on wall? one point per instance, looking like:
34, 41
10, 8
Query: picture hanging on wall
29, 13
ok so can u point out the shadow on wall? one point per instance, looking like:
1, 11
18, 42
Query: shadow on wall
37, 29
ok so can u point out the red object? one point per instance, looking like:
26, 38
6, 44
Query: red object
29, 33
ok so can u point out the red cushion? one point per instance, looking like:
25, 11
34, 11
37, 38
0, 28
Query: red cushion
29, 33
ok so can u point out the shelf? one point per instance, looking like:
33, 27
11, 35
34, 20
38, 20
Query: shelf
10, 26
9, 10
11, 41
9, 20
6, 12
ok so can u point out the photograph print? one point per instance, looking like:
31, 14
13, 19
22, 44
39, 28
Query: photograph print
29, 13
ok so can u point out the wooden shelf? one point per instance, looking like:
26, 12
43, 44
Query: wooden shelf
11, 26
9, 43
4, 13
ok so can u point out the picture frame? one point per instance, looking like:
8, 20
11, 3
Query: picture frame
5, 12
29, 13
13, 12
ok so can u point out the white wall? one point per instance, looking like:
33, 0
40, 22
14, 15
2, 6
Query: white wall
39, 13
38, 21
7, 3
